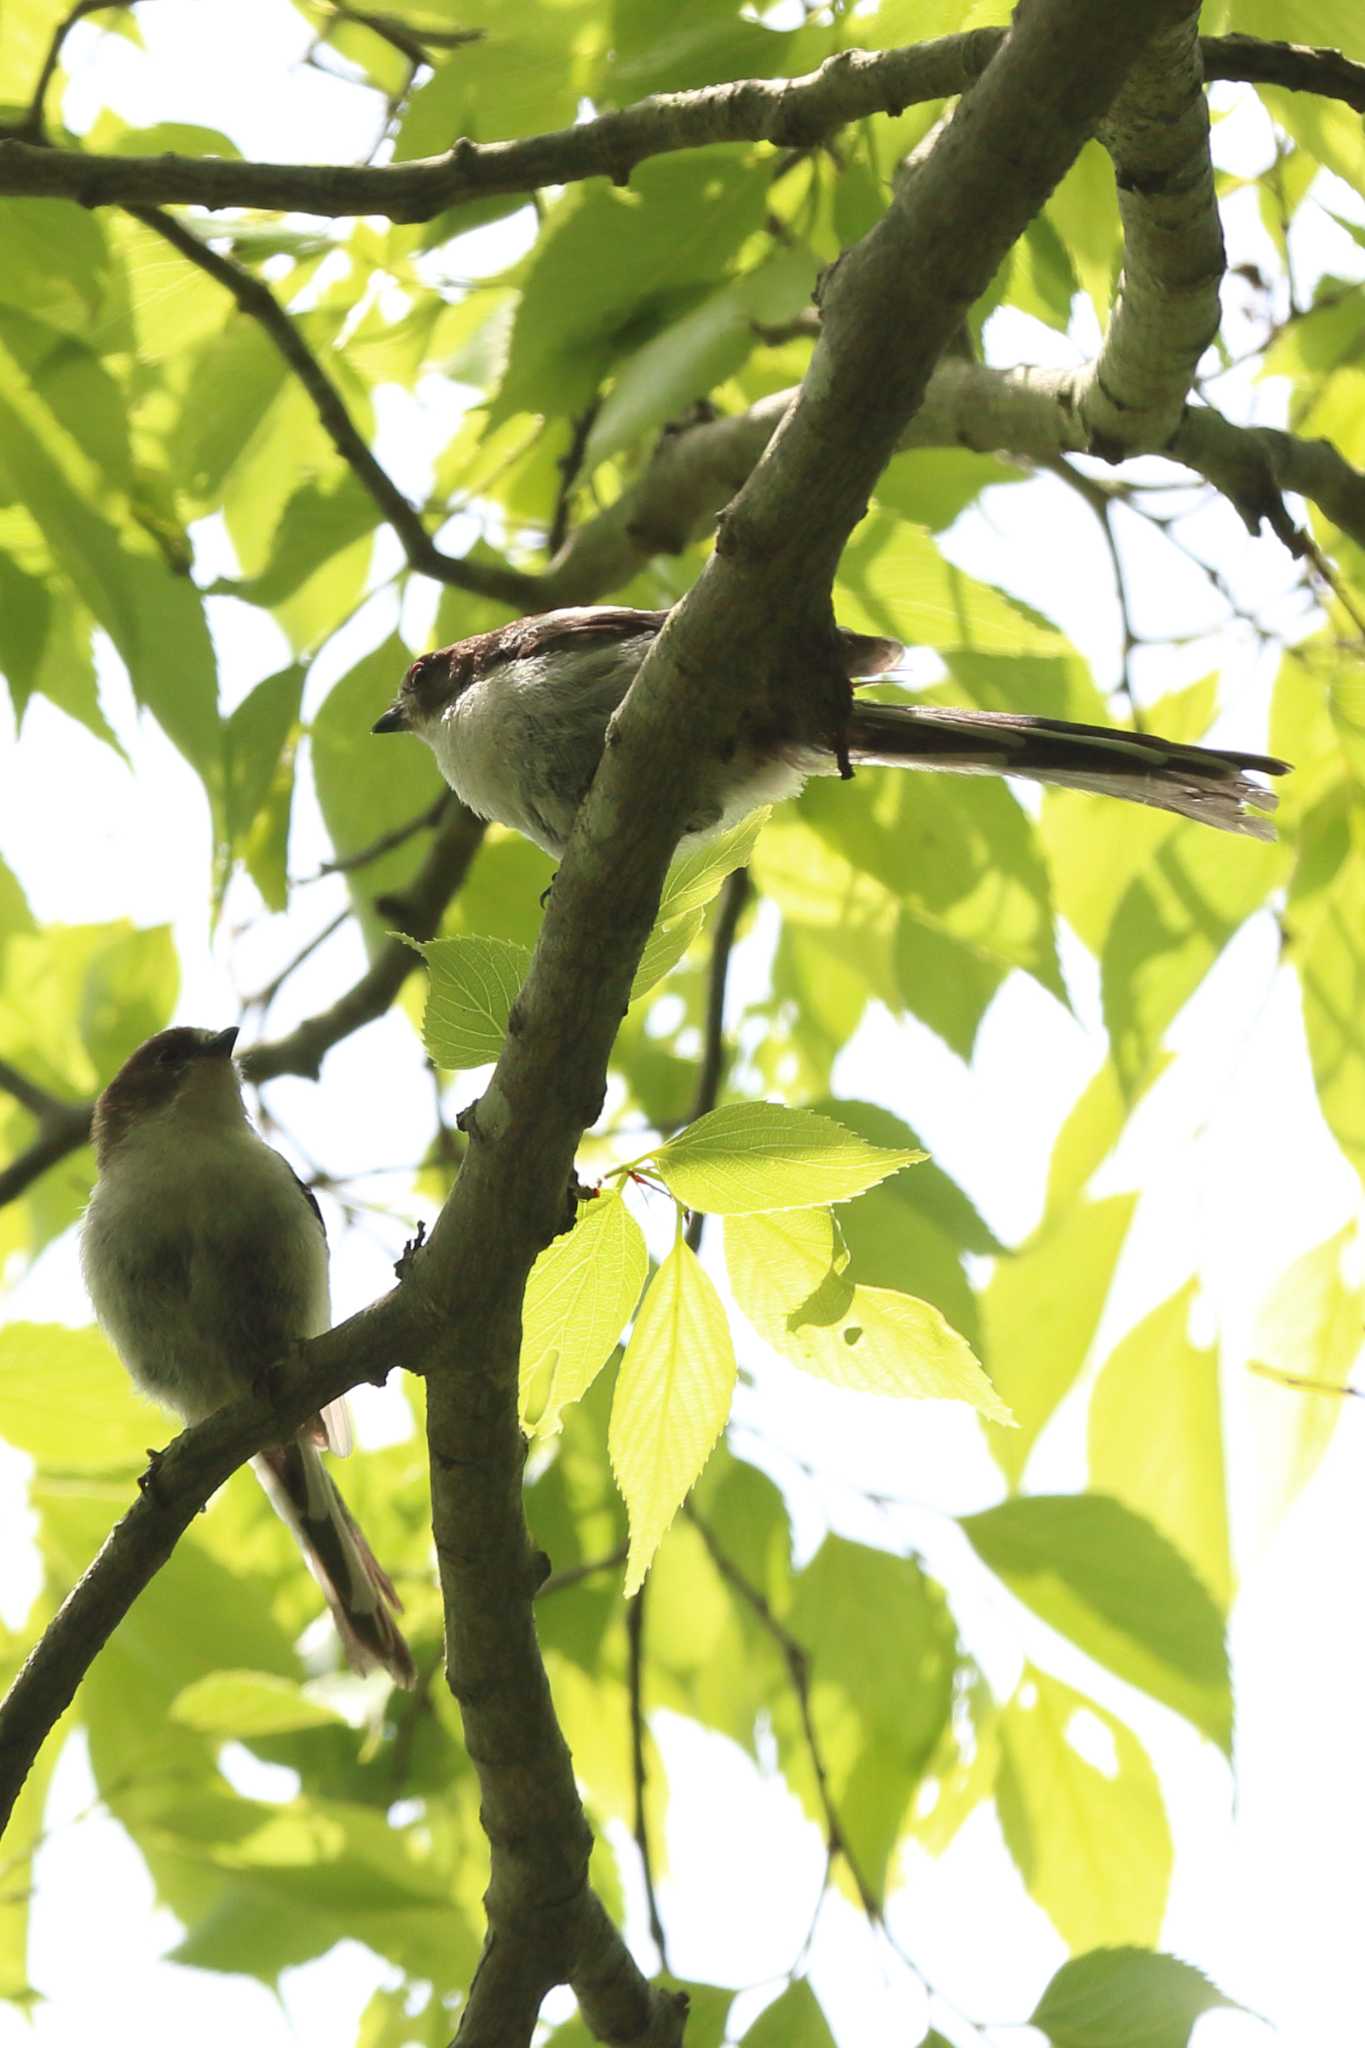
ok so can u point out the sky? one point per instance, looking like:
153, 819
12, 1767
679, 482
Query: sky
1269, 1878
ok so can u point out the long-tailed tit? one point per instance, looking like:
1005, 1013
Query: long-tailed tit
206, 1260
517, 719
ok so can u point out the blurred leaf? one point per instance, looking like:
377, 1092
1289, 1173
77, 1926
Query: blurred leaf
48, 1374
1125, 1998
1156, 1439
238, 1705
793, 2020
1082, 1816
1041, 1310
1103, 1577
1308, 1327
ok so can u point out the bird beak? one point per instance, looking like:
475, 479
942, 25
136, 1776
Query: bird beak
220, 1048
395, 719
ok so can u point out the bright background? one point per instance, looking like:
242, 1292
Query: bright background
1241, 1177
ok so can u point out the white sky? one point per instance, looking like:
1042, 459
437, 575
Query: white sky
1265, 1896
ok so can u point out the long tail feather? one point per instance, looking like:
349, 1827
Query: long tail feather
1209, 784
356, 1587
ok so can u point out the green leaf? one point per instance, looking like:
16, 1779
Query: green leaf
697, 352
1307, 1328
958, 853
1125, 1998
1106, 1579
1040, 1312
893, 579
787, 1274
473, 985
258, 772
749, 1157
672, 235
239, 1705
1332, 970
48, 1374
672, 1398
1156, 1439
695, 877
793, 2020
370, 785
1081, 1811
581, 1291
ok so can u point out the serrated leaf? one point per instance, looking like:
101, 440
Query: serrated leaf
581, 1291
1106, 1579
473, 985
749, 1158
1125, 1998
672, 1399
787, 1276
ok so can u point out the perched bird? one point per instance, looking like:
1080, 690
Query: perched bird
206, 1260
517, 719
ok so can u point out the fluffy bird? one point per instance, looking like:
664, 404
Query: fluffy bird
517, 720
206, 1260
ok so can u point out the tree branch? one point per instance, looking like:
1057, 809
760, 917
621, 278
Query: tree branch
417, 913
1166, 312
790, 114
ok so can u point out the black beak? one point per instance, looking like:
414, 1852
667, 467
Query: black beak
220, 1048
394, 719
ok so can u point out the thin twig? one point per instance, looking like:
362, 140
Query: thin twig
265, 997
418, 915
570, 463
795, 1657
31, 127
1101, 502
635, 1640
734, 896
574, 1574
399, 835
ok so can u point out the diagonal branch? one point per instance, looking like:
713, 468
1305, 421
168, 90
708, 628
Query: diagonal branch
482, 579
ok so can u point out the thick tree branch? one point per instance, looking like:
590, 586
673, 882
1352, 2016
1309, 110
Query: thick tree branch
789, 113
1166, 312
481, 579
994, 163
